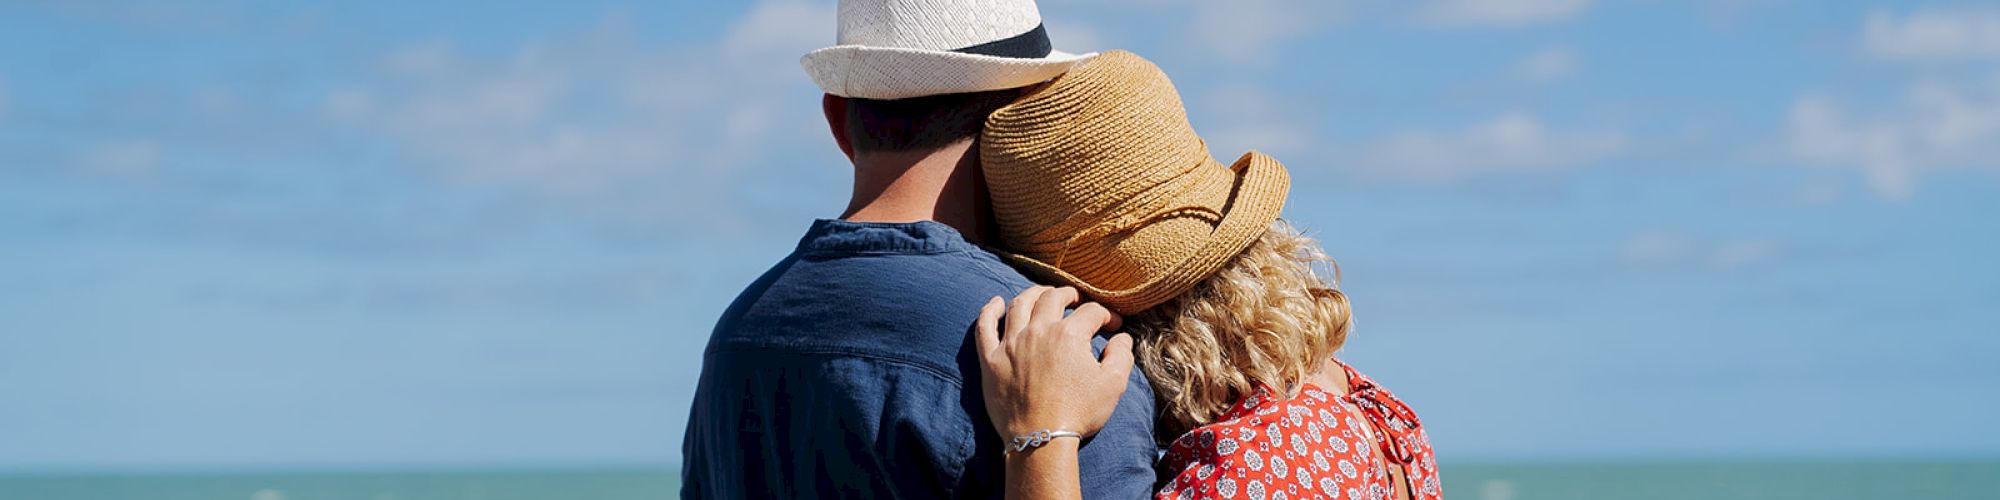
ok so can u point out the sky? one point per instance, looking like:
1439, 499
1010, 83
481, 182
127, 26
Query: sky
466, 234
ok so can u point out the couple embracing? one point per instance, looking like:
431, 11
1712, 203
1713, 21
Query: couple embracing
1182, 348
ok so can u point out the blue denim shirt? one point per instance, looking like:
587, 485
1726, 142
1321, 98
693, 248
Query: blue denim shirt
848, 371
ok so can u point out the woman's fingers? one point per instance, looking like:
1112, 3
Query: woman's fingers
1090, 318
1109, 382
1019, 312
1049, 307
1038, 367
1118, 357
987, 336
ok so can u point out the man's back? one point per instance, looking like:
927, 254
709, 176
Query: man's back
846, 370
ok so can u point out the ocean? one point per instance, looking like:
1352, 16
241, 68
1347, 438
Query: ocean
1680, 480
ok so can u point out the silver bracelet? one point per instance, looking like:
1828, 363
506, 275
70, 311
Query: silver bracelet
1038, 438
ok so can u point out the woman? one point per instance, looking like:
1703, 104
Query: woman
1099, 183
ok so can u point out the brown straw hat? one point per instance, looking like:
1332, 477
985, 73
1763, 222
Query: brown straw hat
1099, 182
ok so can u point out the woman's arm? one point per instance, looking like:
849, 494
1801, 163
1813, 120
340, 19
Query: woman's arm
1045, 473
1040, 375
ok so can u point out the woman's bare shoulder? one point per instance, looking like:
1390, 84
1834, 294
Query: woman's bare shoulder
1331, 377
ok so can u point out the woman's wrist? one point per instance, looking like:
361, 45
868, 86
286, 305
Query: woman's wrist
1045, 472
1045, 420
1038, 438
1054, 449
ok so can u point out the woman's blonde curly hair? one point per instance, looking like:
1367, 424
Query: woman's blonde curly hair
1268, 318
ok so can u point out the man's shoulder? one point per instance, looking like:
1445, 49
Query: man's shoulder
969, 273
969, 266
917, 306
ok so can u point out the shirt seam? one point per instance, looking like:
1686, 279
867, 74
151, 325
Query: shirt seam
793, 350
835, 251
986, 267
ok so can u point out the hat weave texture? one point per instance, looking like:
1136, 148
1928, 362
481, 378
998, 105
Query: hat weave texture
1099, 181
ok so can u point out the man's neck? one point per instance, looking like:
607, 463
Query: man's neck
942, 185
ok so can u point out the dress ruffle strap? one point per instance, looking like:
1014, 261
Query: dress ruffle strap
1388, 414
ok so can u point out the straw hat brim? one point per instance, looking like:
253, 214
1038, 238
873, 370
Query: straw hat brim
899, 73
1258, 197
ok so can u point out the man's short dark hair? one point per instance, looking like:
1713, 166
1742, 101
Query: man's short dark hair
920, 123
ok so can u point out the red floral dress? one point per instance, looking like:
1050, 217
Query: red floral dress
1316, 445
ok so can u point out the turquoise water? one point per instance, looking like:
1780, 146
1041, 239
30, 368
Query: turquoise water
496, 485
1718, 481
1726, 481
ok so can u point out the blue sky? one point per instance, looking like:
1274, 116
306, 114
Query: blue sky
251, 234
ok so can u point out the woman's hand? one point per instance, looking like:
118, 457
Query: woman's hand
1040, 373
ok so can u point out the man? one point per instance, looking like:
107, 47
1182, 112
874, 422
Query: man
847, 369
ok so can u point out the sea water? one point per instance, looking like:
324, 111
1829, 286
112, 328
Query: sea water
1579, 481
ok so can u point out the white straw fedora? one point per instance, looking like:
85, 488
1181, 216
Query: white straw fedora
896, 49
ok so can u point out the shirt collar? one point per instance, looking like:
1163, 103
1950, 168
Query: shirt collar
834, 235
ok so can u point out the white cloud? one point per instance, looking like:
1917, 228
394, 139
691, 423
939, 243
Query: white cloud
1515, 142
1234, 32
1237, 117
1502, 12
1547, 65
1734, 254
1937, 126
1654, 247
1075, 37
156, 14
1734, 13
1251, 31
601, 115
119, 159
1668, 248
485, 118
349, 103
1933, 34
782, 27
1816, 194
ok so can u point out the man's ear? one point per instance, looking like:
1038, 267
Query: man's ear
836, 120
